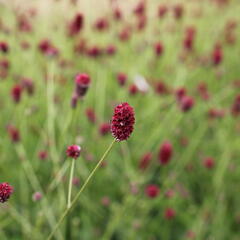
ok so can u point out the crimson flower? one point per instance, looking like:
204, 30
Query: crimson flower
73, 151
82, 82
5, 191
165, 153
122, 122
152, 190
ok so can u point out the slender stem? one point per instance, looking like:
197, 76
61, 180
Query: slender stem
70, 183
67, 210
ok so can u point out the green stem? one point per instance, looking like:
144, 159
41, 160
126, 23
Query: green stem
67, 210
70, 183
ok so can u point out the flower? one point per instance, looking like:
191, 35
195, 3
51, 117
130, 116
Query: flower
16, 93
14, 133
145, 160
165, 153
37, 196
122, 78
152, 190
5, 191
104, 128
82, 82
91, 116
42, 155
169, 213
122, 122
186, 103
158, 48
73, 151
209, 162
217, 55
4, 47
76, 25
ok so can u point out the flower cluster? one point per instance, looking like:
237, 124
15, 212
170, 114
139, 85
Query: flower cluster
122, 122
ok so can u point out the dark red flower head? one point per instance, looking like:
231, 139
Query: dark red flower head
82, 82
104, 128
133, 89
16, 93
27, 84
4, 47
13, 133
101, 24
186, 103
5, 192
122, 122
145, 160
169, 213
91, 116
162, 10
73, 151
165, 153
178, 11
152, 190
122, 78
158, 48
76, 25
217, 55
208, 162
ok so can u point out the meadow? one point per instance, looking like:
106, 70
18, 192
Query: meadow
119, 120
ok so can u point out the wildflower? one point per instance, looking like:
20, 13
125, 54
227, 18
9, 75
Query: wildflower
158, 48
104, 128
82, 82
5, 191
91, 115
13, 133
217, 55
4, 47
111, 50
16, 93
209, 162
165, 153
152, 191
162, 10
76, 25
101, 24
178, 11
121, 78
73, 151
37, 196
145, 160
122, 122
27, 84
133, 89
169, 213
186, 103
42, 155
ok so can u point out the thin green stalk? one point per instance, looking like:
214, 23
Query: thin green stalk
67, 210
70, 183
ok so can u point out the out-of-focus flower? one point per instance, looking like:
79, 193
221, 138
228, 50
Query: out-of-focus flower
37, 196
76, 24
145, 160
90, 113
152, 191
104, 128
16, 93
169, 213
82, 82
73, 151
165, 153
